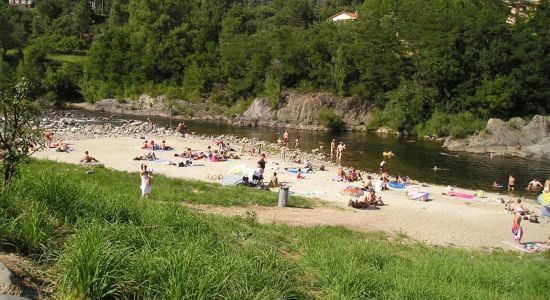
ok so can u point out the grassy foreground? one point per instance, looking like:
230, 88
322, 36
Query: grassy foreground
98, 240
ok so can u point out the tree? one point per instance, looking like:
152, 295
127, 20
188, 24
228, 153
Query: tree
82, 17
18, 138
338, 72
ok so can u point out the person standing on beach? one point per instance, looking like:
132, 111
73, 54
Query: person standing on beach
511, 182
297, 143
283, 152
261, 164
517, 230
146, 181
332, 148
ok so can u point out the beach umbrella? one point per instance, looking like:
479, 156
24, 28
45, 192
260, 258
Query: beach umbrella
352, 191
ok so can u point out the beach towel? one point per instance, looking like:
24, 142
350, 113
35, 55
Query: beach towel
238, 169
480, 194
160, 161
311, 193
231, 179
528, 247
352, 191
414, 195
295, 171
460, 195
396, 185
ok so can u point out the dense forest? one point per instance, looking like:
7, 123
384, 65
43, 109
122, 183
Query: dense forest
438, 66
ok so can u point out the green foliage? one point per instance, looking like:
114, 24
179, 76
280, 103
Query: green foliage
18, 136
63, 82
239, 108
406, 106
451, 56
109, 244
456, 125
338, 72
193, 82
329, 119
272, 90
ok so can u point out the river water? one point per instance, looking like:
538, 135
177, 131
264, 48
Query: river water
414, 157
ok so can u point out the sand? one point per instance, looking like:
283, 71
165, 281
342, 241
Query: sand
477, 223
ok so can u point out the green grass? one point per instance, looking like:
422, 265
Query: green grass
98, 240
78, 59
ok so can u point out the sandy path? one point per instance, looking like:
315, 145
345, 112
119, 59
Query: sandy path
443, 221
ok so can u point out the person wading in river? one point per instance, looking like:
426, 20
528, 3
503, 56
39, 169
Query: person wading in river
511, 182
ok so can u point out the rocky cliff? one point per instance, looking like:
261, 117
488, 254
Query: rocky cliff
516, 137
154, 106
301, 111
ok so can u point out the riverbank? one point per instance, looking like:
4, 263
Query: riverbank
476, 223
91, 236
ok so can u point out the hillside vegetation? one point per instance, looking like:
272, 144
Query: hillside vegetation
94, 236
419, 62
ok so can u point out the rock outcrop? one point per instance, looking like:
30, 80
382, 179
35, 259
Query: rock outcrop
146, 105
516, 137
301, 110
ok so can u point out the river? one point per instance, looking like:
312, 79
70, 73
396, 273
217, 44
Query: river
414, 157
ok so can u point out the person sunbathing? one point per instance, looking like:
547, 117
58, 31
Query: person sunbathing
163, 146
62, 147
233, 156
353, 175
87, 158
358, 204
371, 198
299, 174
145, 145
367, 183
146, 156
340, 174
307, 166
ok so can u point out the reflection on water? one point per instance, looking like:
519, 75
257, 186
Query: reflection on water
414, 158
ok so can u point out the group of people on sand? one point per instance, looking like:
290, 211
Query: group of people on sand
156, 147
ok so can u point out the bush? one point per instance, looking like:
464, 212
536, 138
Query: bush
239, 108
329, 119
454, 125
69, 45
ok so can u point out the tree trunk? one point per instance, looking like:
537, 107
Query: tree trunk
8, 174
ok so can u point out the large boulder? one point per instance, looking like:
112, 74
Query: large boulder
502, 138
6, 278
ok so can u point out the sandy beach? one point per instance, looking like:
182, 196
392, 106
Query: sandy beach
477, 223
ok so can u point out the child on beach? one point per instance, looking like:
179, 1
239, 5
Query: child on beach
146, 181
517, 230
274, 181
299, 175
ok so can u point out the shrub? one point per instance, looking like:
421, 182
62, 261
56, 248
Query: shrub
329, 119
455, 125
239, 108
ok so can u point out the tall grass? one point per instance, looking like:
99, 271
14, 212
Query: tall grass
102, 242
